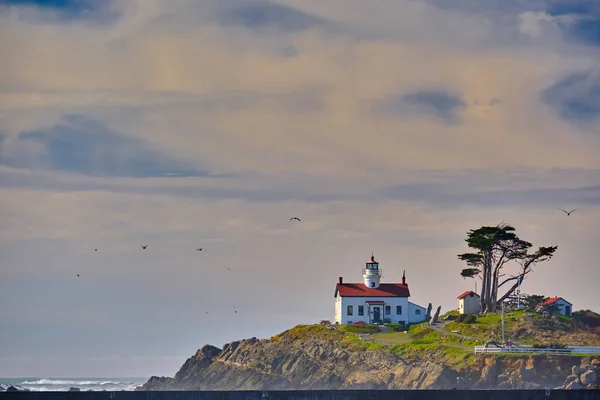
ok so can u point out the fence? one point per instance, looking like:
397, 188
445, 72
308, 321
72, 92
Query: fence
531, 349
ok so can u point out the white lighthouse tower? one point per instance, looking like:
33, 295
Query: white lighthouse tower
372, 273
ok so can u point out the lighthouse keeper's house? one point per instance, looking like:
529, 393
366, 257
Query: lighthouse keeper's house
374, 302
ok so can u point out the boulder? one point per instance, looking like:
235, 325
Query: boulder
588, 377
574, 385
434, 319
528, 374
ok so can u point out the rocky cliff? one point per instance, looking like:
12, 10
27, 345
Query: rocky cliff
322, 357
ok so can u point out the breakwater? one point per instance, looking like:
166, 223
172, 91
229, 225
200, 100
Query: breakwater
313, 395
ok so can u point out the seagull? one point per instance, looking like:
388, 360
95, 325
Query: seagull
568, 212
144, 247
78, 275
296, 218
95, 249
200, 249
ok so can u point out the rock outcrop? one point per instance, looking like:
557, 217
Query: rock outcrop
300, 359
326, 358
583, 377
435, 317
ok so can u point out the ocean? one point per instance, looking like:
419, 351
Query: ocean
64, 384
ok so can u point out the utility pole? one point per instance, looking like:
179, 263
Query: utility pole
503, 323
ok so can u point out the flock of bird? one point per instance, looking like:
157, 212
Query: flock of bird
145, 246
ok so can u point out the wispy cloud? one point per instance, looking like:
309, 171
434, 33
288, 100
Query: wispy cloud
576, 97
79, 145
440, 104
262, 14
64, 11
579, 19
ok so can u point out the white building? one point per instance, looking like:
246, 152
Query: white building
468, 303
375, 302
563, 306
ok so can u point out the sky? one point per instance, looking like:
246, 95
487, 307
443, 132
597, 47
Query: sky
389, 126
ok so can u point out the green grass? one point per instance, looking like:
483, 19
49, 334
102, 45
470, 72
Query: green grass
393, 338
359, 328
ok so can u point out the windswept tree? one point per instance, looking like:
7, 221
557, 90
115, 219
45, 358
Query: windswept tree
495, 246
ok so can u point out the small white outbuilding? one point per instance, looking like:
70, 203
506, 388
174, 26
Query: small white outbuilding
468, 303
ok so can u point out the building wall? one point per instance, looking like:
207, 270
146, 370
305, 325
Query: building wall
468, 304
408, 310
561, 304
416, 313
338, 310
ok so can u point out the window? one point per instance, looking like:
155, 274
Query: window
361, 310
398, 310
470, 294
388, 310
372, 284
349, 310
418, 312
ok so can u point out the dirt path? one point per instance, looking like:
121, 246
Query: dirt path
439, 328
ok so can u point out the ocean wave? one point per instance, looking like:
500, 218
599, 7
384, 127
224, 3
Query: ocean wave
64, 384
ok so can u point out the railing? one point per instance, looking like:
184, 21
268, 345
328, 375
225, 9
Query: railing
372, 272
530, 349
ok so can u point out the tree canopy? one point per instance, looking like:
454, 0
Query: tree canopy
494, 247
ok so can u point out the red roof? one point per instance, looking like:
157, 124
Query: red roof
552, 300
462, 296
360, 290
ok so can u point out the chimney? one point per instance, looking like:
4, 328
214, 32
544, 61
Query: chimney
341, 280
404, 277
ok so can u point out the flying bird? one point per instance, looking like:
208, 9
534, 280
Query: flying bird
296, 218
200, 249
144, 247
78, 275
568, 212
95, 249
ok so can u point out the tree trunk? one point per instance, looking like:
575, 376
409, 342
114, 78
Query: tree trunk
487, 263
482, 296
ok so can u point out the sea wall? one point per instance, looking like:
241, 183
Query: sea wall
313, 395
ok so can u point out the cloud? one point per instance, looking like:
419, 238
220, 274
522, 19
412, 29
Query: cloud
579, 19
263, 14
441, 104
575, 97
80, 145
490, 7
64, 11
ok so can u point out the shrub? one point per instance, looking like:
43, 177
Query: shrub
461, 317
469, 319
396, 327
360, 328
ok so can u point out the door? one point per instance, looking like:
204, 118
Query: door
568, 311
377, 314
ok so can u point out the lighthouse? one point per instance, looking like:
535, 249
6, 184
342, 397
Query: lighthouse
372, 273
373, 302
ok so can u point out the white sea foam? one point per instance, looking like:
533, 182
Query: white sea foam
64, 384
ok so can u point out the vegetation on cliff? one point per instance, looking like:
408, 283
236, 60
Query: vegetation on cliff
351, 357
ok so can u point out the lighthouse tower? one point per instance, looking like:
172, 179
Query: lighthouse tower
372, 273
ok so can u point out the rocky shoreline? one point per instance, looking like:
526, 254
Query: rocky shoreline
322, 363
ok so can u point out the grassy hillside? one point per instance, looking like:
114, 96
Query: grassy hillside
453, 346
529, 328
